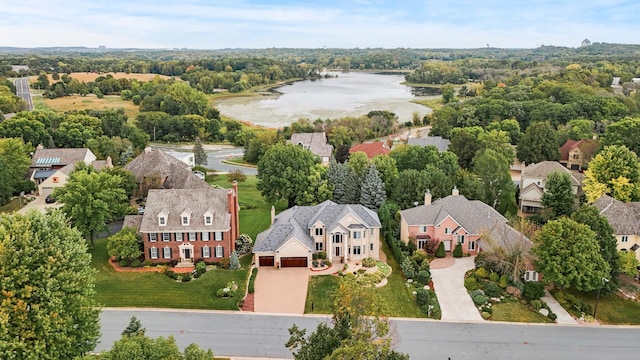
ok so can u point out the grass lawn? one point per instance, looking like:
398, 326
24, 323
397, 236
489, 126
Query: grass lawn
12, 206
151, 289
612, 309
239, 161
433, 104
255, 211
394, 298
517, 312
77, 102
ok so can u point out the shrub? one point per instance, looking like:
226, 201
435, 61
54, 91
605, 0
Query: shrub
494, 277
485, 315
492, 289
147, 263
234, 261
536, 304
457, 251
201, 267
243, 244
552, 316
482, 273
424, 276
422, 297
135, 263
533, 290
411, 246
504, 281
471, 283
425, 265
315, 263
440, 253
326, 263
477, 292
252, 280
237, 175
407, 268
123, 263
369, 262
223, 263
514, 291
186, 277
487, 309
361, 271
479, 299
173, 263
419, 256
432, 246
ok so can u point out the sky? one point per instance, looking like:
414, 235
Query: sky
213, 24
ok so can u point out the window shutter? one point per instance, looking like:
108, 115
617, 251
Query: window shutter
170, 253
222, 251
150, 253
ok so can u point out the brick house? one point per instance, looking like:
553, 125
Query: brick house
185, 224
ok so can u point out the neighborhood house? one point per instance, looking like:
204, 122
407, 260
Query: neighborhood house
342, 232
624, 218
316, 143
534, 178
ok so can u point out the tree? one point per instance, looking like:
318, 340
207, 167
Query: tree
30, 130
614, 171
125, 245
568, 255
338, 175
14, 164
243, 244
386, 166
628, 263
319, 188
624, 132
358, 163
47, 309
200, 157
558, 197
448, 94
134, 328
234, 261
493, 171
283, 173
538, 143
590, 216
372, 192
465, 145
259, 143
410, 188
91, 199
355, 332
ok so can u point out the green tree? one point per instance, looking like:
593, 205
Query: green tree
14, 164
624, 132
410, 188
538, 143
358, 162
628, 263
338, 175
200, 157
30, 130
134, 328
590, 216
125, 245
448, 94
493, 171
234, 261
568, 255
283, 173
259, 144
614, 171
386, 166
47, 309
91, 199
558, 197
465, 144
372, 192
319, 188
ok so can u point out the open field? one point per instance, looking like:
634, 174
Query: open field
77, 102
90, 76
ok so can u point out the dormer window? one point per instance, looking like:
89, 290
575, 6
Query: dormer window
185, 217
208, 218
162, 218
185, 221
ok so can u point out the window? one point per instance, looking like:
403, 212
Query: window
371, 246
153, 252
447, 231
217, 236
530, 275
472, 245
205, 236
423, 229
357, 235
371, 231
318, 246
185, 220
460, 239
319, 231
207, 220
178, 236
162, 221
206, 252
625, 238
153, 237
356, 250
166, 253
422, 244
337, 238
219, 251
166, 237
192, 236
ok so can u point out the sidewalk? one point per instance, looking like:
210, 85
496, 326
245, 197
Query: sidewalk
564, 318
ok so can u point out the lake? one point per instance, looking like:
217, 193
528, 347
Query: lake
349, 94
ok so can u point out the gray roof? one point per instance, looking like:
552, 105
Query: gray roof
437, 141
545, 168
504, 236
473, 215
298, 220
624, 218
316, 142
132, 221
173, 202
173, 172
43, 174
58, 157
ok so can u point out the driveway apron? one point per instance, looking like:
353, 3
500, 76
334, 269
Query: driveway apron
455, 302
282, 291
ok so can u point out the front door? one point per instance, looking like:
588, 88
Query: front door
187, 254
447, 245
337, 251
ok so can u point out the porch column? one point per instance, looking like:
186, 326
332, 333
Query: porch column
329, 247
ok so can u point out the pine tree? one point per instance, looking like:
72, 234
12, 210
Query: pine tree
337, 175
134, 328
200, 157
352, 188
234, 261
372, 192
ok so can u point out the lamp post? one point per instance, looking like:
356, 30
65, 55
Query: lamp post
595, 309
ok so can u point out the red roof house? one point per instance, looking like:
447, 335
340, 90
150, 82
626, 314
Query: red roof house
371, 149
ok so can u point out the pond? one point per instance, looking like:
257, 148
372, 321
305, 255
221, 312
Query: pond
348, 94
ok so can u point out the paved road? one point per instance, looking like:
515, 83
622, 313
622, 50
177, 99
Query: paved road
23, 91
215, 158
255, 335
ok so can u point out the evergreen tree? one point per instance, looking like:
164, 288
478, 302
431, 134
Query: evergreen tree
352, 188
372, 192
234, 261
134, 328
200, 157
539, 143
337, 175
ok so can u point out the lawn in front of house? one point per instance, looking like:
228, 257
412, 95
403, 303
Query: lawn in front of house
612, 309
517, 312
12, 206
152, 289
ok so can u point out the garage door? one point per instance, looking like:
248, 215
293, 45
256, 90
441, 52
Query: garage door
293, 262
265, 261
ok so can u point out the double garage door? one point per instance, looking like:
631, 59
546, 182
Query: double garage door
284, 261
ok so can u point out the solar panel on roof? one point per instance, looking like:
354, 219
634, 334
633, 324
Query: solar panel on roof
47, 160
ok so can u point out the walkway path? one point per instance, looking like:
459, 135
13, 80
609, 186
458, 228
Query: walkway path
455, 302
564, 317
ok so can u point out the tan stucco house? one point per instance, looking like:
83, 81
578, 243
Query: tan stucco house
533, 181
624, 218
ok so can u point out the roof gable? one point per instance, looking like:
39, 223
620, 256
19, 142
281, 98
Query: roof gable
371, 149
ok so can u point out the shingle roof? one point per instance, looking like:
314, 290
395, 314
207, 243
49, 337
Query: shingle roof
57, 157
588, 146
132, 221
173, 172
173, 202
544, 168
298, 220
503, 235
371, 149
624, 218
316, 142
437, 141
472, 215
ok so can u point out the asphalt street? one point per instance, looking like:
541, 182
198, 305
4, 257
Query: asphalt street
259, 335
215, 159
23, 91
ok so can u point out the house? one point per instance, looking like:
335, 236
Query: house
50, 168
186, 157
575, 155
624, 218
315, 142
157, 169
532, 185
184, 225
437, 141
453, 220
346, 232
371, 149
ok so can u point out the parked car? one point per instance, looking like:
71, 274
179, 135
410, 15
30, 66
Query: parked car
140, 210
49, 199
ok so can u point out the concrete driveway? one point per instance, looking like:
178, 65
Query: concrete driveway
38, 204
282, 291
455, 302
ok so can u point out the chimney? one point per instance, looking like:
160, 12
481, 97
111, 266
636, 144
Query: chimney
455, 191
39, 147
427, 197
109, 162
147, 149
273, 214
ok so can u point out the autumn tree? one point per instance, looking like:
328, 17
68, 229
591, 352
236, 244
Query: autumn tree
48, 309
